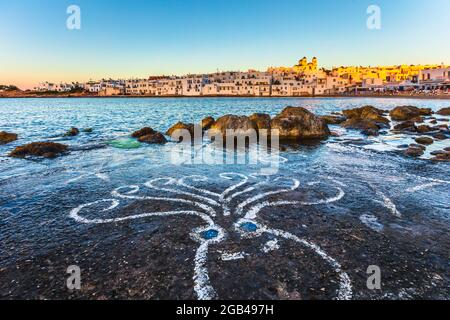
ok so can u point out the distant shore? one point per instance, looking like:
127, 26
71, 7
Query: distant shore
6, 95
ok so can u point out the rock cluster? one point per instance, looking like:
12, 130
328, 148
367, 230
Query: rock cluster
39, 149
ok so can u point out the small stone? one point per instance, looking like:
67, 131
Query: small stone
424, 140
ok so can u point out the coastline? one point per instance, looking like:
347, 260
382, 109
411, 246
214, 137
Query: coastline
69, 96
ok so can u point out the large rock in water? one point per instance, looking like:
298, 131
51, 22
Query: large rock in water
444, 112
241, 125
403, 113
72, 132
7, 137
367, 113
39, 149
367, 127
207, 123
153, 138
181, 126
143, 132
296, 123
261, 120
333, 119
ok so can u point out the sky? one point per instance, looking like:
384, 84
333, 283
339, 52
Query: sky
138, 38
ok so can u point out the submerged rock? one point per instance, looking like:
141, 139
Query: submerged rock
444, 112
154, 138
439, 136
143, 132
39, 149
207, 123
88, 130
124, 143
296, 123
261, 121
409, 126
424, 140
403, 113
72, 132
424, 128
7, 137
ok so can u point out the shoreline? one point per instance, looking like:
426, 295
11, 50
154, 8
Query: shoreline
65, 96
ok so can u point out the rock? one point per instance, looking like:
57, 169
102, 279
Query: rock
444, 112
447, 149
333, 119
413, 152
403, 113
424, 128
367, 113
181, 126
299, 124
424, 140
241, 125
39, 149
261, 121
207, 123
445, 157
433, 121
143, 132
87, 130
7, 137
72, 132
418, 146
367, 127
439, 136
437, 152
153, 138
406, 126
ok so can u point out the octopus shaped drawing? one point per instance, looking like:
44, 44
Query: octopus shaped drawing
242, 213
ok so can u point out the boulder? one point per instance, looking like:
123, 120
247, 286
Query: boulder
424, 140
367, 127
299, 124
207, 123
417, 146
7, 137
181, 126
439, 136
261, 121
240, 124
444, 157
403, 113
333, 119
367, 113
143, 132
444, 112
153, 138
413, 152
424, 128
72, 132
406, 126
39, 149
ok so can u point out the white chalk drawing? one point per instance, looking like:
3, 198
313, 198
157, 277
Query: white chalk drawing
209, 205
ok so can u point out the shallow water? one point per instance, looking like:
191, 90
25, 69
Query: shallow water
385, 196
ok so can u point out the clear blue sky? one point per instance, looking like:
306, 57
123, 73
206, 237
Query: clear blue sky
137, 38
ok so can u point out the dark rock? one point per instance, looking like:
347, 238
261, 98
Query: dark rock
181, 126
444, 112
87, 130
241, 125
403, 146
72, 132
439, 136
7, 137
406, 126
39, 149
296, 123
261, 121
207, 123
367, 127
424, 128
153, 138
424, 140
333, 119
413, 152
367, 113
444, 157
403, 113
437, 152
433, 121
418, 146
447, 149
143, 132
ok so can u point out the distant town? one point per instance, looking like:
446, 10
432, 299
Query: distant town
302, 79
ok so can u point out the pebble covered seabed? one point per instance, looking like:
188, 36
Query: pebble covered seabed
141, 227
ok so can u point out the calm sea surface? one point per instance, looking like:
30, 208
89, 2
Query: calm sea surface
384, 191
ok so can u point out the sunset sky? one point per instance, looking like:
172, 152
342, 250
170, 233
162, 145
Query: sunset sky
122, 39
